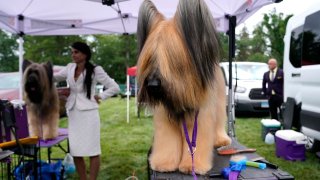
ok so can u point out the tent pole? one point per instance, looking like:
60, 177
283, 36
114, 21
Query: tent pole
21, 53
126, 35
136, 94
231, 33
128, 98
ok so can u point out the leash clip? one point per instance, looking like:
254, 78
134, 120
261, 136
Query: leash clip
194, 149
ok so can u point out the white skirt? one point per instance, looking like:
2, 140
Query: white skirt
84, 132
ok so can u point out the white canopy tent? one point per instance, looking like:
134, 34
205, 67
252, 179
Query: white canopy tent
76, 17
61, 17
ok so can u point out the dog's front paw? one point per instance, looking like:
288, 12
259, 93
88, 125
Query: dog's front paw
199, 167
185, 166
222, 141
162, 164
50, 135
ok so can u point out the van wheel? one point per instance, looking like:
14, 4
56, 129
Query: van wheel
312, 145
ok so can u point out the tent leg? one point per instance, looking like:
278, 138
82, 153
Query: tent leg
21, 53
128, 98
231, 33
136, 94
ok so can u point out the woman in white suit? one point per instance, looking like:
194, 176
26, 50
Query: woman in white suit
82, 107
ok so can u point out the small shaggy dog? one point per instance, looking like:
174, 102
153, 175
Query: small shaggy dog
41, 97
180, 79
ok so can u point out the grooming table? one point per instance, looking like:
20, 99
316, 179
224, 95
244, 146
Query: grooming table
4, 154
221, 162
5, 164
31, 149
63, 135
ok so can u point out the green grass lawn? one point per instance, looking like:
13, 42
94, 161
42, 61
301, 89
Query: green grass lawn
125, 145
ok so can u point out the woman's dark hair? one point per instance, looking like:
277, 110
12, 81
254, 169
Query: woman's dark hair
85, 49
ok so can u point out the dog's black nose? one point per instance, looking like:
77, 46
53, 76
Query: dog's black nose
154, 87
154, 82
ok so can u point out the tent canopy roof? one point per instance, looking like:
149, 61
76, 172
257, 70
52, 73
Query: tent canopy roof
75, 17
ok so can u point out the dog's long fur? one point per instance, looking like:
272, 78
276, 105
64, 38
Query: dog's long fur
41, 99
178, 74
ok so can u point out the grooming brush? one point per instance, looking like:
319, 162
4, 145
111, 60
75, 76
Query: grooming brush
239, 159
270, 165
231, 151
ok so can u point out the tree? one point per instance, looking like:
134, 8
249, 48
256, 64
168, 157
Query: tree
266, 40
274, 27
243, 45
9, 60
224, 46
50, 48
259, 47
115, 53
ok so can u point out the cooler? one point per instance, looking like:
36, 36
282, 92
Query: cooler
290, 145
269, 125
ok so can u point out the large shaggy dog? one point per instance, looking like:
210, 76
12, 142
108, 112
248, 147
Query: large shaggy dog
179, 75
41, 99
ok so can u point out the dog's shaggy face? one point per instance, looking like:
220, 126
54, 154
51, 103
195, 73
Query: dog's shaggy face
37, 81
177, 57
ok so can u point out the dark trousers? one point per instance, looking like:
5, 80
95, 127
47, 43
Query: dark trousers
275, 102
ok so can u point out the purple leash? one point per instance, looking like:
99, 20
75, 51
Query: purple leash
192, 145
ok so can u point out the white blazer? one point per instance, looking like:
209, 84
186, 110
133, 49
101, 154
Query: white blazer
78, 96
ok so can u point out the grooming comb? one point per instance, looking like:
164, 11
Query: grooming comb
231, 151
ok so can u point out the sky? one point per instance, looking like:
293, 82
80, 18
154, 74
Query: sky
286, 7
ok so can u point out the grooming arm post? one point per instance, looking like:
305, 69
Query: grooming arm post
231, 33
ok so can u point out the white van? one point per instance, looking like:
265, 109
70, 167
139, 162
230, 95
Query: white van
247, 80
302, 74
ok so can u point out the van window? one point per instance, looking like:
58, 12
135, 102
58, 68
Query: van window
61, 84
296, 47
246, 71
311, 40
249, 71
